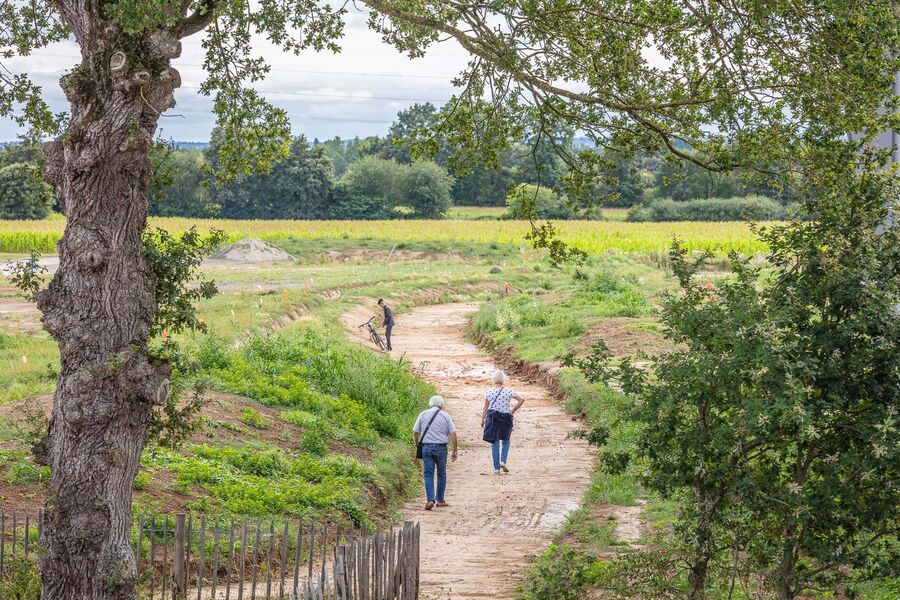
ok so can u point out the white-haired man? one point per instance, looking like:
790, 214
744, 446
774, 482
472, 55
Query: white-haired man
435, 429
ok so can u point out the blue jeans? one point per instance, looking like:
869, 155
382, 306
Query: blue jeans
435, 455
496, 453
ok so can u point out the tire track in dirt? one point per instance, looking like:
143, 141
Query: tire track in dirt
479, 546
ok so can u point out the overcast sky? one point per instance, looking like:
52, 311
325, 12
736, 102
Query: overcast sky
355, 93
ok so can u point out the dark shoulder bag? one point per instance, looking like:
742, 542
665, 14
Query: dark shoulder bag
422, 439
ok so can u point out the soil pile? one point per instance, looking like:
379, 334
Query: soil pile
252, 250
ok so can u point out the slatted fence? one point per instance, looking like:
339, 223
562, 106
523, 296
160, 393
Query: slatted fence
186, 556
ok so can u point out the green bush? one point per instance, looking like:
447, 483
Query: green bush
376, 188
261, 479
313, 441
561, 573
526, 201
300, 418
425, 188
23, 472
750, 208
367, 189
21, 579
350, 204
23, 195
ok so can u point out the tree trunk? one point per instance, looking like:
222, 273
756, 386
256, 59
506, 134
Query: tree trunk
703, 546
99, 306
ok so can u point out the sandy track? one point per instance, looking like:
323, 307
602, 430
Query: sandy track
478, 547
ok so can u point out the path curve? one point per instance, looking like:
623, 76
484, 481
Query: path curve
479, 546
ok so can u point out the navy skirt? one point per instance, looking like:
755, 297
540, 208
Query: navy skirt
497, 426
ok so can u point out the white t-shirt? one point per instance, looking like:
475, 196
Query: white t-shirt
499, 398
440, 430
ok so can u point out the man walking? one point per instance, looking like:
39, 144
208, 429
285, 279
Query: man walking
388, 322
433, 429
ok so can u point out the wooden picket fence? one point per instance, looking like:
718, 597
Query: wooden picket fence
205, 557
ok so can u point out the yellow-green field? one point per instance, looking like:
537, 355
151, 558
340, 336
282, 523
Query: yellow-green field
496, 212
591, 236
476, 212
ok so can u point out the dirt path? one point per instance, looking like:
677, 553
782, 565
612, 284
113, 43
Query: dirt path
478, 547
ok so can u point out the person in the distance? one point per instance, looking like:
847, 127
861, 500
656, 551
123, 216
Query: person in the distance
435, 429
497, 419
388, 322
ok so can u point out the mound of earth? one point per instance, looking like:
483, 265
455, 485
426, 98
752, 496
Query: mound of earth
252, 250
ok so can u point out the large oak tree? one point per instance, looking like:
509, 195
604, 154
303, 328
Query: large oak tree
726, 84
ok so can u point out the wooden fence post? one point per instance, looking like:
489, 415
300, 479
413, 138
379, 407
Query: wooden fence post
179, 571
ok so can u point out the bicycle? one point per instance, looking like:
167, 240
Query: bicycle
374, 335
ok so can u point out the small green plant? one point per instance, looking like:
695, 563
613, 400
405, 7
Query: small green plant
313, 441
300, 418
209, 422
251, 417
20, 579
28, 275
141, 481
24, 472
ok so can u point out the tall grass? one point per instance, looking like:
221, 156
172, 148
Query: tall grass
591, 236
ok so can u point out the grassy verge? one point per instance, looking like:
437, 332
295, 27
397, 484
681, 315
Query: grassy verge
567, 310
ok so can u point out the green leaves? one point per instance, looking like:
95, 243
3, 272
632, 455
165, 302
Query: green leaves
255, 134
175, 261
28, 275
137, 16
776, 410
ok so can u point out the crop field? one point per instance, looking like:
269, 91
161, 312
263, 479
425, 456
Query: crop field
592, 236
476, 212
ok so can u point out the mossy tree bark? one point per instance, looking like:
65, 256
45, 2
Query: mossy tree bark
100, 305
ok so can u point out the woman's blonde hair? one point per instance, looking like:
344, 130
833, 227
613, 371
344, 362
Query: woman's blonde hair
498, 377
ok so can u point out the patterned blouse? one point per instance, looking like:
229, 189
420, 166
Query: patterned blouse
499, 398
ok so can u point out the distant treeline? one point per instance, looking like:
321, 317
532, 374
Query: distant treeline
377, 178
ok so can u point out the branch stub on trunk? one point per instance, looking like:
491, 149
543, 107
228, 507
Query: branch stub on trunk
118, 62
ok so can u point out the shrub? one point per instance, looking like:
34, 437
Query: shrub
425, 188
21, 579
23, 195
526, 201
560, 573
349, 204
367, 189
751, 208
251, 417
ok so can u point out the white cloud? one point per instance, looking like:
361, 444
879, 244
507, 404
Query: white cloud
356, 92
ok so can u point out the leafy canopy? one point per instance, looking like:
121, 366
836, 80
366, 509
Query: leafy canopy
749, 83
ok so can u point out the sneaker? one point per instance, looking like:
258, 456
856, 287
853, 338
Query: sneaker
496, 471
429, 505
504, 467
441, 504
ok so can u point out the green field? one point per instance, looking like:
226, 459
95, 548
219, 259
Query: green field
592, 236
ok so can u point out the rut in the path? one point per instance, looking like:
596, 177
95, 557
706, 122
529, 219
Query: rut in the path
479, 546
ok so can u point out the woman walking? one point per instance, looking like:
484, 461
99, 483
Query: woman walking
497, 419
